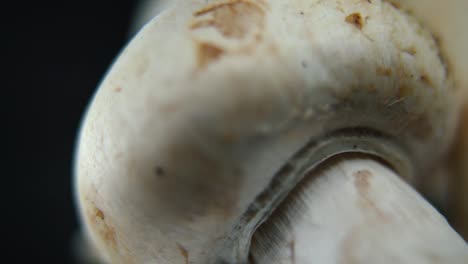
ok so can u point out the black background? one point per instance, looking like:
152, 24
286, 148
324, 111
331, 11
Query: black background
56, 53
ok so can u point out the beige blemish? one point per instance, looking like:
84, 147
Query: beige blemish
232, 19
184, 252
355, 19
208, 53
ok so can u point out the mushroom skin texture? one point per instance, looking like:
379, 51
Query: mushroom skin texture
200, 116
447, 21
354, 210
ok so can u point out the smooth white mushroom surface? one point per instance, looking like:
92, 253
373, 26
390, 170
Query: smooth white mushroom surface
217, 110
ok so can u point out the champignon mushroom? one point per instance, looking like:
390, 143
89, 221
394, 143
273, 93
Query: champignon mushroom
228, 129
355, 210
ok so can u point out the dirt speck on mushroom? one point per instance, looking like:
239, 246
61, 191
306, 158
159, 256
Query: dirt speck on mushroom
100, 224
403, 91
208, 53
426, 80
183, 252
355, 19
159, 171
410, 50
383, 71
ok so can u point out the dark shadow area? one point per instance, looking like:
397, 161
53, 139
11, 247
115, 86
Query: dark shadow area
56, 54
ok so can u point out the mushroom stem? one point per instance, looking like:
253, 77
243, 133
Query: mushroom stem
356, 210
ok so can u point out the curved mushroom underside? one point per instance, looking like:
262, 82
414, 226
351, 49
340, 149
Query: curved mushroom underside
209, 101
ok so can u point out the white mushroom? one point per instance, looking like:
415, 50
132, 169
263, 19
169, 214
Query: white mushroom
217, 114
356, 211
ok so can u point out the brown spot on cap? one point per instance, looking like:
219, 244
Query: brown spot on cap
118, 89
183, 252
99, 223
159, 171
426, 80
355, 19
99, 214
403, 91
208, 53
384, 71
234, 18
410, 50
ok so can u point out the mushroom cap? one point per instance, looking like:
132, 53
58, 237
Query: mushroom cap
209, 101
447, 20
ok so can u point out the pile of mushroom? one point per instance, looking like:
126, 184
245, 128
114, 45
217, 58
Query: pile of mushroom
268, 131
